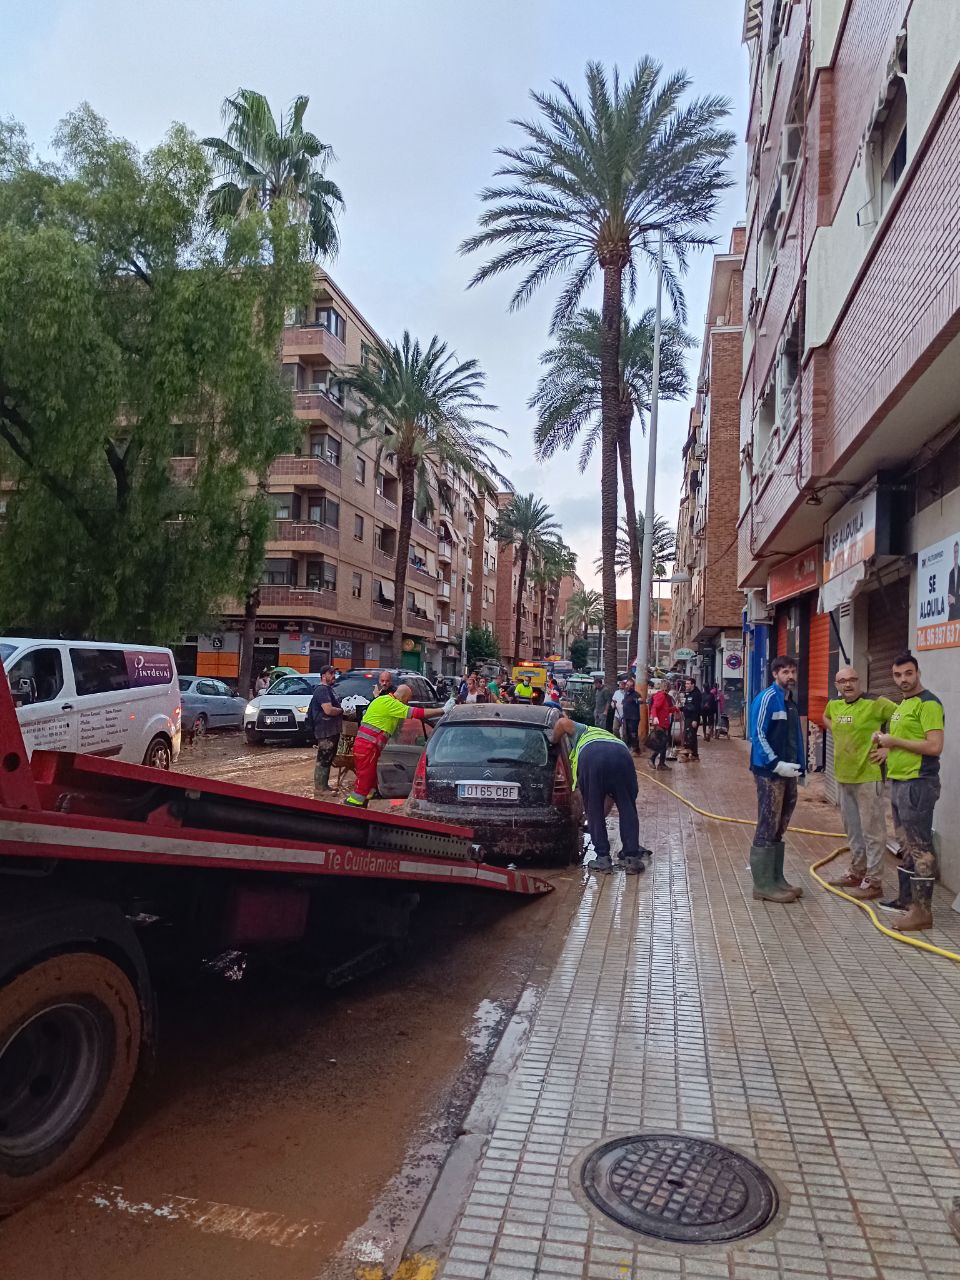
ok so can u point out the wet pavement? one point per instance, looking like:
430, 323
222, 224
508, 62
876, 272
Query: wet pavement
289, 1132
798, 1035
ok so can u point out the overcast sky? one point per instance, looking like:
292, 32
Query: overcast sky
414, 96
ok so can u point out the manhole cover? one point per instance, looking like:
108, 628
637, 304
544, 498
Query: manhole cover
685, 1190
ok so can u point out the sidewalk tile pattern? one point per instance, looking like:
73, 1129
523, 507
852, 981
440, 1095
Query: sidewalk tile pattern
798, 1034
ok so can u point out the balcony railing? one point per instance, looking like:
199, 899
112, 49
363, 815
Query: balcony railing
443, 631
304, 469
273, 595
383, 560
182, 470
422, 575
417, 622
444, 549
313, 340
309, 405
385, 506
443, 590
425, 533
304, 533
381, 612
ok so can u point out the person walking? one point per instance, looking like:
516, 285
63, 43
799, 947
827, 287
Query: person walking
602, 699
602, 769
709, 714
854, 718
691, 708
379, 723
661, 718
777, 762
616, 701
323, 720
911, 751
630, 714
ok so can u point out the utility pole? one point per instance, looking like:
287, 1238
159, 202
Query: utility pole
646, 563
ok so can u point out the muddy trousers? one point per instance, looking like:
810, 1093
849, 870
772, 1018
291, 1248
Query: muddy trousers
776, 801
605, 769
326, 750
913, 804
861, 808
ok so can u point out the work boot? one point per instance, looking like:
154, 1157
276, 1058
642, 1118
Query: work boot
919, 915
866, 890
765, 886
780, 851
601, 863
321, 777
849, 880
903, 898
632, 866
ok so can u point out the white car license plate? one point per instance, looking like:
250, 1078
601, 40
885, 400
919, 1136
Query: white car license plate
276, 719
488, 790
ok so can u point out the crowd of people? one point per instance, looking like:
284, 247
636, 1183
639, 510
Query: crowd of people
679, 713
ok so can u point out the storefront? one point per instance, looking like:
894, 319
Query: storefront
792, 592
305, 646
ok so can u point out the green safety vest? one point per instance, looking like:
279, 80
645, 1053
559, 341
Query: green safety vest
385, 713
523, 691
591, 735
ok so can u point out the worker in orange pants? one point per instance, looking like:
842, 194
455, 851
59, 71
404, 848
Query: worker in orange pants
379, 723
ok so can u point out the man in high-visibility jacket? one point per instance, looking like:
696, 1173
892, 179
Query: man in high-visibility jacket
379, 723
602, 767
524, 690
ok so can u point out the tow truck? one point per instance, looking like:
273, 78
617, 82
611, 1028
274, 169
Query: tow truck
112, 872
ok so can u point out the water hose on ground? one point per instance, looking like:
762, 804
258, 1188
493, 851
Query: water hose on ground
831, 888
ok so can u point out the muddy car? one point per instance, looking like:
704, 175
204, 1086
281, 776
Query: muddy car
493, 768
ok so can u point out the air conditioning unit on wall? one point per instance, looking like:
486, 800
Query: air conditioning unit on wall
757, 610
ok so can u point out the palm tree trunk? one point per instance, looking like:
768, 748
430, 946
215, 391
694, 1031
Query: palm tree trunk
610, 334
540, 630
247, 639
521, 583
630, 505
407, 489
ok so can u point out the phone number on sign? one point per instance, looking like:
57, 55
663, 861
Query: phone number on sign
942, 635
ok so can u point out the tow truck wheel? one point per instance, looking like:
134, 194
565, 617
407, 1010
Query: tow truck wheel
158, 755
70, 1033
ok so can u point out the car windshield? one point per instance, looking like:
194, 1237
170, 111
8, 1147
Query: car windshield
6, 650
294, 684
185, 683
365, 685
489, 744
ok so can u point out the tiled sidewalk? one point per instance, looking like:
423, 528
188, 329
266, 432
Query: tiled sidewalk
798, 1034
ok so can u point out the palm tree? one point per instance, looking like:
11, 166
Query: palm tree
664, 546
259, 165
261, 162
593, 187
555, 561
585, 610
568, 400
421, 405
527, 524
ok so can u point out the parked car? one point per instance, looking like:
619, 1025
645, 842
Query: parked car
280, 712
358, 687
208, 704
493, 767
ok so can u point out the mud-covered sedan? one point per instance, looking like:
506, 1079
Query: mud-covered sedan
493, 767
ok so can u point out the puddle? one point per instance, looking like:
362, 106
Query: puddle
488, 1019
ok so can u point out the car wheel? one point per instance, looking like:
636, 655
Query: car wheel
253, 738
70, 1029
159, 754
199, 730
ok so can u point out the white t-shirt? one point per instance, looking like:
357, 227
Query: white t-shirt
617, 700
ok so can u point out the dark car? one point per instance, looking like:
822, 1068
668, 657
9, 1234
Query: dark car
493, 767
358, 687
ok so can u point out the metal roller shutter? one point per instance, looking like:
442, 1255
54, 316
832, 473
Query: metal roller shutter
818, 667
783, 624
888, 632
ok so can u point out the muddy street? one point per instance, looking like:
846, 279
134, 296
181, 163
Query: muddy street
289, 1131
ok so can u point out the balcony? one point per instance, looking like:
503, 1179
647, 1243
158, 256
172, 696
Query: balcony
443, 631
302, 535
383, 560
306, 600
424, 533
310, 406
418, 622
444, 550
421, 575
443, 589
303, 470
182, 470
385, 507
382, 613
313, 340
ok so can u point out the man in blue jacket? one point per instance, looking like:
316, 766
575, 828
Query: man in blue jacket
777, 761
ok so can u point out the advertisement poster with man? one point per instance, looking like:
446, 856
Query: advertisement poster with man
938, 595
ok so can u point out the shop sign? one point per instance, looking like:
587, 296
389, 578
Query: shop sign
795, 576
684, 655
938, 595
342, 649
859, 532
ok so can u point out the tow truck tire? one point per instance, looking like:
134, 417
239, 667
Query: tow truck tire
159, 754
70, 1030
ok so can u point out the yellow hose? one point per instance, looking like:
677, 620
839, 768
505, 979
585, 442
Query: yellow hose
831, 888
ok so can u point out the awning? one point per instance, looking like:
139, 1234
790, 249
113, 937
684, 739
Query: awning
841, 589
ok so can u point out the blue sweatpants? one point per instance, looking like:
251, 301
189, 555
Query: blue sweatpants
606, 769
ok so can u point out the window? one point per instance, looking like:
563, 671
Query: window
99, 670
37, 676
326, 446
324, 510
283, 509
889, 141
328, 577
358, 528
384, 593
279, 573
184, 443
769, 232
356, 589
361, 470
480, 744
291, 376
411, 601
330, 319
207, 688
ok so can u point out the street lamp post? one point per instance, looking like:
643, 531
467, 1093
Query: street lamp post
646, 564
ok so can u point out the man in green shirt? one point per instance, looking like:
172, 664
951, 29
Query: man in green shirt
911, 751
854, 718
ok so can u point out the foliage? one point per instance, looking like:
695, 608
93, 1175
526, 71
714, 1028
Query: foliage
664, 546
131, 332
578, 653
527, 524
482, 646
422, 405
585, 610
260, 162
554, 563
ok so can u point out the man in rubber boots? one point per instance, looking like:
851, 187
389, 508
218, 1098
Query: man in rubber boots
324, 718
379, 723
602, 767
854, 718
911, 751
776, 761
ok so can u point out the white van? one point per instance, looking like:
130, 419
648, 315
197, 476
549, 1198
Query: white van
116, 700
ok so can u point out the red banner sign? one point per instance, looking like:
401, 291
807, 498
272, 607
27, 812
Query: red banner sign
795, 576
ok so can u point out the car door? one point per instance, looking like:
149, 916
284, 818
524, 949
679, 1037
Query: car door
231, 705
41, 682
400, 757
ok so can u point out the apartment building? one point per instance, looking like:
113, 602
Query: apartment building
327, 591
538, 638
707, 609
849, 513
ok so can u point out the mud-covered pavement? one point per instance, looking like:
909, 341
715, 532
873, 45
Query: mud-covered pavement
290, 1132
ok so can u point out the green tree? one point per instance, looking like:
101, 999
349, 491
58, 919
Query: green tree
590, 188
568, 404
263, 166
664, 546
578, 653
130, 333
527, 525
482, 646
551, 566
421, 404
585, 610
